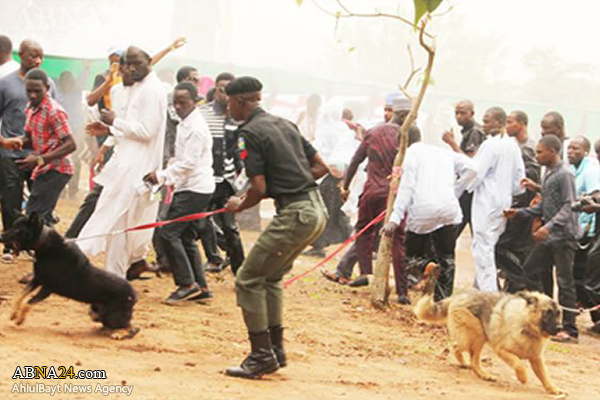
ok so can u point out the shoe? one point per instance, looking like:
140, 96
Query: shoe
314, 252
404, 300
564, 337
362, 280
334, 277
213, 268
136, 270
8, 258
260, 361
204, 294
182, 293
276, 333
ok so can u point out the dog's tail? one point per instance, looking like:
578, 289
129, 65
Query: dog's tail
426, 308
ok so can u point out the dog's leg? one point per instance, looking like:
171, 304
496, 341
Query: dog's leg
539, 367
19, 301
40, 296
25, 308
458, 353
126, 333
514, 362
477, 344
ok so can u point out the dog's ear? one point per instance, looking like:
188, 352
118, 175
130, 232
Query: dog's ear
528, 297
34, 218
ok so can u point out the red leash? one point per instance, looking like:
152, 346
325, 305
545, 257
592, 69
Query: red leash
378, 219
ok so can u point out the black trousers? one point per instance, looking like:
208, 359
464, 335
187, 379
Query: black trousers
338, 228
207, 234
545, 255
347, 263
231, 241
13, 180
85, 212
591, 287
465, 201
512, 249
44, 195
418, 254
179, 238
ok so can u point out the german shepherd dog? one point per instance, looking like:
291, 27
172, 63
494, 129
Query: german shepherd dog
62, 268
516, 326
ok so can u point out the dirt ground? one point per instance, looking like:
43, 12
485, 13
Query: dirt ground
338, 346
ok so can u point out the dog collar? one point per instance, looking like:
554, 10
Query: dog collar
42, 238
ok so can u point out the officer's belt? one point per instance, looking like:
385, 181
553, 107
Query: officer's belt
285, 200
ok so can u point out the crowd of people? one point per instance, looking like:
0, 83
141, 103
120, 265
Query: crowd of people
160, 152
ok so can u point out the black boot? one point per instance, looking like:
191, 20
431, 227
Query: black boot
277, 342
260, 361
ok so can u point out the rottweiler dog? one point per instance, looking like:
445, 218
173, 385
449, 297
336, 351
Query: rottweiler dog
61, 267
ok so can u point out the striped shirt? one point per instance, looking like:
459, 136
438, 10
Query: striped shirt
224, 142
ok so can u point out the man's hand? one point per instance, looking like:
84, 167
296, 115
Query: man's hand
589, 208
29, 162
233, 204
179, 42
97, 129
98, 161
336, 173
510, 213
389, 228
541, 234
13, 143
530, 185
448, 138
151, 178
344, 194
108, 116
113, 72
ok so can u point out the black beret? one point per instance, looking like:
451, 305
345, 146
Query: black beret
243, 84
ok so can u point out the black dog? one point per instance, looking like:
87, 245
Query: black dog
62, 268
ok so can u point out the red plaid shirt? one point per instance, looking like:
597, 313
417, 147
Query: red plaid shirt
48, 125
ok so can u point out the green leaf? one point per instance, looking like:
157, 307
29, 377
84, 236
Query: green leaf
424, 6
351, 49
299, 2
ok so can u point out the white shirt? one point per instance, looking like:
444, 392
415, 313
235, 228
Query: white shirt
429, 188
8, 67
500, 170
191, 169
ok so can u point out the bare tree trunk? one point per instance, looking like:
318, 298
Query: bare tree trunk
380, 290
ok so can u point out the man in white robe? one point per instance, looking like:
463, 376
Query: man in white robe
140, 132
500, 170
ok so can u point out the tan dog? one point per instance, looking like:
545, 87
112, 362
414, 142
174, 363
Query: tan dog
516, 327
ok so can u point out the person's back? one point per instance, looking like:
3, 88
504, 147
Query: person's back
382, 142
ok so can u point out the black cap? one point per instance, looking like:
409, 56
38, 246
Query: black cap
243, 84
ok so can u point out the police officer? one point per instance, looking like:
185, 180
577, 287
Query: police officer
282, 165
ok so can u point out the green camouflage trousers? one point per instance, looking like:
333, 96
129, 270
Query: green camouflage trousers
258, 281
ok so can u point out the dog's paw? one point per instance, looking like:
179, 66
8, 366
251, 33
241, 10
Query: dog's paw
20, 319
521, 374
123, 334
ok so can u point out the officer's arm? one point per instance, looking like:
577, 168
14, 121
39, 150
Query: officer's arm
318, 168
257, 192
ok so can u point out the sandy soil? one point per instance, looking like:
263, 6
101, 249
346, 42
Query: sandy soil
338, 346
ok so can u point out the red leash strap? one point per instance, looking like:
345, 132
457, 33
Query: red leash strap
379, 218
190, 217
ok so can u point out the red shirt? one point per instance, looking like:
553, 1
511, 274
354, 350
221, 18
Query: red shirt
380, 145
48, 125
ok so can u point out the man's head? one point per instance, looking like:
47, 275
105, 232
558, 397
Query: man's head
5, 49
66, 81
221, 83
597, 149
313, 104
400, 109
188, 74
548, 150
37, 85
125, 73
579, 148
494, 121
347, 114
137, 63
31, 54
243, 97
553, 124
115, 53
185, 96
414, 134
464, 112
516, 123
